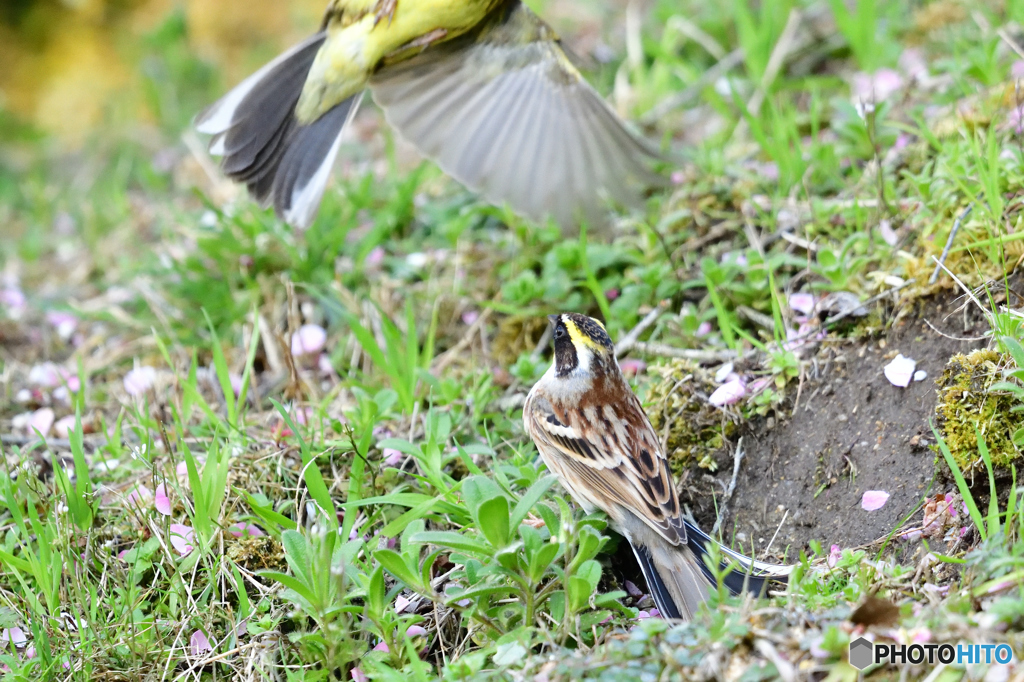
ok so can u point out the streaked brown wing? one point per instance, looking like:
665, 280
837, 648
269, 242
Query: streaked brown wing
609, 454
506, 113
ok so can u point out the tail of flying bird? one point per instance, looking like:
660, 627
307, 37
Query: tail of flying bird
283, 163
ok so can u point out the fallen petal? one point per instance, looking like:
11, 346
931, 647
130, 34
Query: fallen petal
199, 643
309, 340
161, 500
874, 500
240, 529
181, 538
729, 393
139, 380
920, 375
802, 303
64, 426
632, 366
900, 371
41, 420
416, 631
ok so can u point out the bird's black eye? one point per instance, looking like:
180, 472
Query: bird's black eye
559, 332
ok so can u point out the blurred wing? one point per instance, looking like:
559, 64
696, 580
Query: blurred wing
611, 457
506, 113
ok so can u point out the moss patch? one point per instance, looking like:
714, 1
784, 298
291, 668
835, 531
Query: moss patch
696, 430
966, 404
516, 335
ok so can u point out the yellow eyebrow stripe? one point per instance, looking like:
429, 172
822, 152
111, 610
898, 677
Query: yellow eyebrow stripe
579, 338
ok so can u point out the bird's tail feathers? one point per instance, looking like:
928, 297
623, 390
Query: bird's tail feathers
676, 578
262, 144
748, 575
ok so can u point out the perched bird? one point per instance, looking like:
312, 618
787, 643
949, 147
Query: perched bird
483, 87
593, 434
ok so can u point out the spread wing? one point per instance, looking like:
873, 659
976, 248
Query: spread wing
609, 457
505, 112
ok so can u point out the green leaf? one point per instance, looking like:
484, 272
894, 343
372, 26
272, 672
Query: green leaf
540, 561
375, 594
494, 521
961, 484
270, 517
453, 541
530, 498
298, 553
478, 489
394, 564
292, 583
591, 572
311, 473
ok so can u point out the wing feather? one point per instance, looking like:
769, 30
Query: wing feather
616, 465
506, 113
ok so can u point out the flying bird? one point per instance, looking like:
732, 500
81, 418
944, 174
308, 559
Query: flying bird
482, 87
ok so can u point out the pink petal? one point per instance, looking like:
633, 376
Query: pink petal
139, 495
875, 87
382, 646
631, 366
64, 426
236, 383
632, 590
392, 457
641, 615
1017, 70
162, 501
181, 538
888, 234
900, 371
375, 257
416, 631
677, 177
65, 323
874, 500
729, 393
913, 63
46, 375
401, 603
139, 380
469, 317
703, 329
655, 613
611, 294
13, 299
802, 303
309, 340
834, 554
41, 420
199, 643
359, 676
241, 529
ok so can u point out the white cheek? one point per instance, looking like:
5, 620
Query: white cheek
584, 358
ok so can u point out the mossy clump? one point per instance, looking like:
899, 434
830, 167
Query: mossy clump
696, 429
516, 335
967, 406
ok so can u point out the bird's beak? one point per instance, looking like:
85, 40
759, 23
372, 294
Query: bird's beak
553, 319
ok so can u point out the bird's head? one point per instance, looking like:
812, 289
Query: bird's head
582, 345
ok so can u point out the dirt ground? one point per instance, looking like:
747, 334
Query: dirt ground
851, 431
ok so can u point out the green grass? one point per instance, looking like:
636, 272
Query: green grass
395, 468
